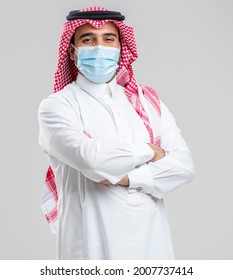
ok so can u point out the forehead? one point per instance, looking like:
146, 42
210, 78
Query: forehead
108, 27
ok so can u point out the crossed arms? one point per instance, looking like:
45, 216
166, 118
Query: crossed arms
158, 154
62, 136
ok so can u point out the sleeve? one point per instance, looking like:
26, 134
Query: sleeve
175, 169
61, 136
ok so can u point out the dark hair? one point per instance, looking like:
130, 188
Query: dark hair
72, 39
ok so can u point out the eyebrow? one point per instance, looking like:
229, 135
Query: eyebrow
92, 34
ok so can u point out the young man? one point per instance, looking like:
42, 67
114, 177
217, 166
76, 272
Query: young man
114, 148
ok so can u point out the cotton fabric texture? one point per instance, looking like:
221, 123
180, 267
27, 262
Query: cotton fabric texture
110, 222
98, 63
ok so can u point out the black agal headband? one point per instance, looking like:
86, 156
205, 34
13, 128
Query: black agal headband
95, 15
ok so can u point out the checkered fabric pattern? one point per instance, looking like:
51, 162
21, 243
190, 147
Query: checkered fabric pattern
67, 72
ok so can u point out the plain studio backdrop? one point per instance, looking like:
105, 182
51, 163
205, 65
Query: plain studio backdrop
185, 53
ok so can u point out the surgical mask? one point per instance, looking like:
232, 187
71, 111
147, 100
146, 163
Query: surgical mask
98, 63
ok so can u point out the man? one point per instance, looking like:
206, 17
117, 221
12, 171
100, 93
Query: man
114, 148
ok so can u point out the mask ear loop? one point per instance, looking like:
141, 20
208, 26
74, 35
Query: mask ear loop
71, 53
74, 47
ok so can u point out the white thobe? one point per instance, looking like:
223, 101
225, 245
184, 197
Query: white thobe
99, 221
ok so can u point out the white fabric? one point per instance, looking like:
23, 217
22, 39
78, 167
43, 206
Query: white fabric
110, 222
48, 204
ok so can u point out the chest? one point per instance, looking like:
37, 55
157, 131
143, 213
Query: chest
111, 119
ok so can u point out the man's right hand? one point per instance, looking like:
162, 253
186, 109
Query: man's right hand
158, 152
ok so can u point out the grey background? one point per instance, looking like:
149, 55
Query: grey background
185, 53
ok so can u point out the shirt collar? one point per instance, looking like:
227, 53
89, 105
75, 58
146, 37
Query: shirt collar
97, 90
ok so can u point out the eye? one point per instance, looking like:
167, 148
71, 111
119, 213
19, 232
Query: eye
110, 39
88, 40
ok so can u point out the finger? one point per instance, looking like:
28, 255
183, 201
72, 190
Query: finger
86, 133
105, 182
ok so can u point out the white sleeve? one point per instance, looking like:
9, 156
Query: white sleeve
61, 135
175, 169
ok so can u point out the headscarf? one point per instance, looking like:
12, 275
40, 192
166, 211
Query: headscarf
67, 72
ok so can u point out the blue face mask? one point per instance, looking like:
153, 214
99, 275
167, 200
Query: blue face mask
98, 63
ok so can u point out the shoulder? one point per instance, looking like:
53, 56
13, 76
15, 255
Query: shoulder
152, 97
59, 99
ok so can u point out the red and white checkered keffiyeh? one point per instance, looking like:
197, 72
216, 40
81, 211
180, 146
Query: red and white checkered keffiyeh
67, 72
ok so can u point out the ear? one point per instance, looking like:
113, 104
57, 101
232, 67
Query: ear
71, 51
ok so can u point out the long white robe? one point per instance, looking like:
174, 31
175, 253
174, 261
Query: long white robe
99, 221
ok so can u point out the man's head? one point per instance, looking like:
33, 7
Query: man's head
96, 51
96, 20
87, 35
